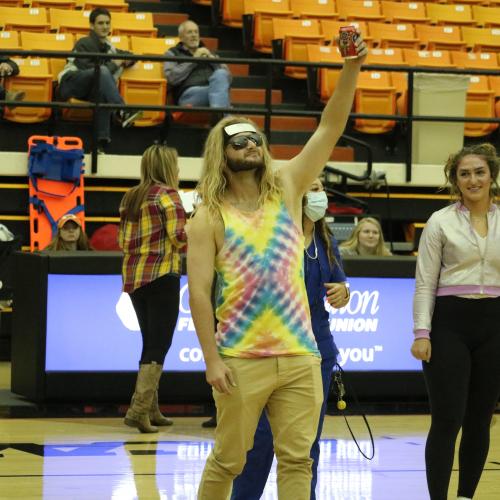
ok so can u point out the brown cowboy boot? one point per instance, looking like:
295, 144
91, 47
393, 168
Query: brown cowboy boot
138, 412
155, 416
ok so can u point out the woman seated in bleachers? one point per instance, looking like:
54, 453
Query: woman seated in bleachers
366, 239
70, 236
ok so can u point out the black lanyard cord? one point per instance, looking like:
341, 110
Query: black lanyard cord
338, 388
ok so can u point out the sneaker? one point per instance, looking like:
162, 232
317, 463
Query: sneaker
127, 118
15, 95
102, 145
212, 422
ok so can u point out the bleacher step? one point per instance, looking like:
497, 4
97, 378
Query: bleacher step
152, 6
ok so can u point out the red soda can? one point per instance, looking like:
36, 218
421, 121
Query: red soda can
347, 39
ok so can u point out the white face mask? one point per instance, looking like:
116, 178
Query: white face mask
317, 203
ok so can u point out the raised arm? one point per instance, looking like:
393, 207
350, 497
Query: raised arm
301, 171
200, 265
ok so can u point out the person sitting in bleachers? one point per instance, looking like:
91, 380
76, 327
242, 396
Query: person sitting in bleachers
9, 68
77, 78
366, 239
70, 236
193, 83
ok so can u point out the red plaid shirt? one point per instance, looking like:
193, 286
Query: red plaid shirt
152, 246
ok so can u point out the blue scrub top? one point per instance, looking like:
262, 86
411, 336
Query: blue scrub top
317, 272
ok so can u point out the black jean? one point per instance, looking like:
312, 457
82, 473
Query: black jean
80, 85
157, 307
463, 382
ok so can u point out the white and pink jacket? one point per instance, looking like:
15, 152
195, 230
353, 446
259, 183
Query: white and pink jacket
450, 262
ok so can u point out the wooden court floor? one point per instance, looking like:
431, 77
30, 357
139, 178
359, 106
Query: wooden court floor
100, 459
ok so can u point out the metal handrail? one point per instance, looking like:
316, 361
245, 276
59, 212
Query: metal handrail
267, 110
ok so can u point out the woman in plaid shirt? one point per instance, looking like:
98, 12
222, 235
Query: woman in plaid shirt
152, 238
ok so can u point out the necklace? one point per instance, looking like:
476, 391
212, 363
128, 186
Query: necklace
315, 256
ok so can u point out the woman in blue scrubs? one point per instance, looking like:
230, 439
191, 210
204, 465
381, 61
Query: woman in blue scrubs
323, 276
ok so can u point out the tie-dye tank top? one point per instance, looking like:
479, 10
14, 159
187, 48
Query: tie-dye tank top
261, 304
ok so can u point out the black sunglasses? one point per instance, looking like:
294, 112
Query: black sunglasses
241, 142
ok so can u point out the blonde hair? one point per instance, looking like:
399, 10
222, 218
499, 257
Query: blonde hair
58, 243
487, 152
213, 180
353, 242
158, 166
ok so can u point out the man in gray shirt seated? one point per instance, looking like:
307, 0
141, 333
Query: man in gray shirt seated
193, 83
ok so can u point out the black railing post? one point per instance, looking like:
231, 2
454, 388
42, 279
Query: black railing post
95, 116
269, 90
409, 132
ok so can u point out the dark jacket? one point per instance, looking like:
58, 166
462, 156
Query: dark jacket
11, 63
181, 76
91, 43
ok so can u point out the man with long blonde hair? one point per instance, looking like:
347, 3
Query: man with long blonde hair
263, 354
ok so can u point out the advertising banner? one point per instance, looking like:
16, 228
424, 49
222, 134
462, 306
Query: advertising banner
91, 326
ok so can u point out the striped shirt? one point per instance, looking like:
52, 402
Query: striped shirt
262, 307
152, 246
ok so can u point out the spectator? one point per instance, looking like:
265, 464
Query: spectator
152, 238
9, 68
69, 236
366, 239
77, 78
193, 83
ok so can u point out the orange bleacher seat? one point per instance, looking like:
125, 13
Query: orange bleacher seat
296, 35
495, 85
20, 19
393, 57
35, 79
368, 10
478, 60
433, 58
49, 41
77, 114
374, 94
404, 12
486, 16
330, 29
314, 9
393, 35
57, 4
440, 37
327, 77
263, 13
69, 21
232, 13
482, 39
450, 14
133, 23
144, 83
9, 40
154, 46
111, 5
389, 56
480, 103
121, 42
203, 2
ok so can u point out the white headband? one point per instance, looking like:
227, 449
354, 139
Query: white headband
238, 128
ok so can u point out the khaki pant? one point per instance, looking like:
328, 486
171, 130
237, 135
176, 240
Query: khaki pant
291, 390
